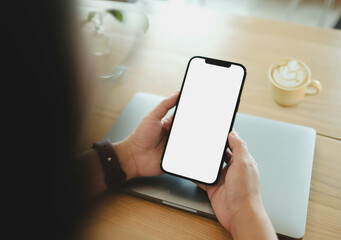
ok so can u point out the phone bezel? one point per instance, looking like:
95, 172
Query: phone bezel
219, 63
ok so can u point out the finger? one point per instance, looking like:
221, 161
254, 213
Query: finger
161, 110
238, 147
229, 153
227, 156
167, 122
171, 116
212, 189
223, 174
202, 186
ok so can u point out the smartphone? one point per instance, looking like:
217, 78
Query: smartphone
203, 117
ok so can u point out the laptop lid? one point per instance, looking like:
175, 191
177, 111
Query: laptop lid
284, 153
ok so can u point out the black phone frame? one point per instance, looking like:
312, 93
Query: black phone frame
218, 62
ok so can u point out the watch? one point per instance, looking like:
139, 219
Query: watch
114, 175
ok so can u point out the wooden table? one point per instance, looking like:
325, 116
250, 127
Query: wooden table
158, 66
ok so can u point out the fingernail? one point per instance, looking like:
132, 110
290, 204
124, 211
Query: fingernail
234, 133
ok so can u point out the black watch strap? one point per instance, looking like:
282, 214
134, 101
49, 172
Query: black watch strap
114, 175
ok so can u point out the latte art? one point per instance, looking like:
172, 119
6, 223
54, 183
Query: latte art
289, 74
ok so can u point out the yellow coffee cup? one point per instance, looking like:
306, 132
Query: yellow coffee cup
291, 80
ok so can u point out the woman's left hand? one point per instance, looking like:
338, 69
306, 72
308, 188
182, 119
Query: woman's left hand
140, 153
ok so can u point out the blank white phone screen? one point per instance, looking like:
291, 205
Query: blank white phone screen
203, 118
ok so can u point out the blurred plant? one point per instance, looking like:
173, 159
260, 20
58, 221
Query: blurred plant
100, 45
114, 12
100, 39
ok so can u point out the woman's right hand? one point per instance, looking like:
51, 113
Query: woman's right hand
236, 198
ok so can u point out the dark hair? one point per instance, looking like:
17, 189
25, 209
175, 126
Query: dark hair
41, 62
62, 94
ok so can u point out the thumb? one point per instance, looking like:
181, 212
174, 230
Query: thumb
161, 110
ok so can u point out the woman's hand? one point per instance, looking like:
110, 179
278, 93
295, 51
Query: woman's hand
236, 198
140, 153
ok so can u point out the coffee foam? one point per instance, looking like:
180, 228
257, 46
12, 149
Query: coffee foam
289, 74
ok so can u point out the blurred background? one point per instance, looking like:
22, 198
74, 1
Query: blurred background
319, 13
115, 34
144, 45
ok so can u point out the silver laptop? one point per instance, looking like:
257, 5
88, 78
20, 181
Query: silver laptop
284, 153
